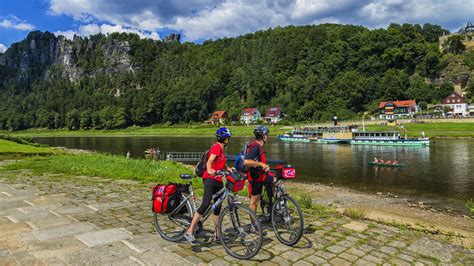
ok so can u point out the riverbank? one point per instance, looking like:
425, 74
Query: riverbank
437, 129
324, 200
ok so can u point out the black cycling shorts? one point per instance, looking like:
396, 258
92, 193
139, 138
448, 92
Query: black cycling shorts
211, 187
257, 187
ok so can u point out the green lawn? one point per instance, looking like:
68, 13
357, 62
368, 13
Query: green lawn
104, 165
156, 130
7, 146
431, 129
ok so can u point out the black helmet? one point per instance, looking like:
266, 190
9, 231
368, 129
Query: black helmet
260, 131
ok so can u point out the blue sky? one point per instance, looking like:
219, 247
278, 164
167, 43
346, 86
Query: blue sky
198, 20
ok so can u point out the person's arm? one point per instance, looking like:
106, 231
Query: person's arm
211, 159
255, 153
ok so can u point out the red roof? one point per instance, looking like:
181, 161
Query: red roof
218, 114
407, 103
454, 98
273, 112
249, 111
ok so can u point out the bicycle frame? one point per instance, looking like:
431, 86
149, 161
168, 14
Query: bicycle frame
222, 194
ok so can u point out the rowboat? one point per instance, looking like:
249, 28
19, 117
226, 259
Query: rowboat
386, 164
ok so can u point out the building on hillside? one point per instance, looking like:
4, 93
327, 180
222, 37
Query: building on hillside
457, 104
218, 117
392, 110
273, 115
250, 116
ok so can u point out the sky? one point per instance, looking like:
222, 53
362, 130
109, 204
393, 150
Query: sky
198, 20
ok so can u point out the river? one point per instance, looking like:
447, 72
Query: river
443, 171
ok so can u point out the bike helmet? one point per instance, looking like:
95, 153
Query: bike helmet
223, 133
260, 131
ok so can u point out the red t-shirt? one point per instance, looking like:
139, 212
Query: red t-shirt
219, 161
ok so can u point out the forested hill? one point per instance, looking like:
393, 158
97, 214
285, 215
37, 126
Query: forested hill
310, 71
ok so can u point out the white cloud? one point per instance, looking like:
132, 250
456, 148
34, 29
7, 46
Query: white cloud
15, 23
3, 48
203, 19
91, 29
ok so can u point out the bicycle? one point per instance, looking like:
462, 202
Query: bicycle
238, 227
285, 213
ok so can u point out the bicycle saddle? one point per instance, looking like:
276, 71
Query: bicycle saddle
185, 176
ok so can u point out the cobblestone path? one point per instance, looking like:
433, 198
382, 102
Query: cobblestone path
58, 220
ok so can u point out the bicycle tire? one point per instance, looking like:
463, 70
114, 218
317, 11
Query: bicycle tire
174, 236
298, 232
239, 231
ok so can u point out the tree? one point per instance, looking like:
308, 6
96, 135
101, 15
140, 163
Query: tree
454, 44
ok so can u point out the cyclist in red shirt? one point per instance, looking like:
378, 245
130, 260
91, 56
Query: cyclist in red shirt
258, 167
216, 161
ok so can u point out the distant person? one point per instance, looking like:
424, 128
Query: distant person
395, 162
128, 154
375, 160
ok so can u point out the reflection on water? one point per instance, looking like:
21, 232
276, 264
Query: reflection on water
444, 169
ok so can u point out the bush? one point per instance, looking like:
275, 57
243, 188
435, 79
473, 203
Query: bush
22, 140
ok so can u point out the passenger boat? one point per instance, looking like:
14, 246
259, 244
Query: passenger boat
386, 138
328, 135
386, 164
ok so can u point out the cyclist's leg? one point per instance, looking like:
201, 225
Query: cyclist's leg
256, 194
269, 188
206, 201
217, 187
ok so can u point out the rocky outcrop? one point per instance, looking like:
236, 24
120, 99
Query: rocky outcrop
173, 37
35, 56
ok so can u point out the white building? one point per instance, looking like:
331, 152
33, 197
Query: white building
457, 105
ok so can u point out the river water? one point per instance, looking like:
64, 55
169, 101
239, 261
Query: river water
443, 171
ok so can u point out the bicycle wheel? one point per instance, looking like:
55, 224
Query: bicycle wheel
171, 227
240, 232
287, 220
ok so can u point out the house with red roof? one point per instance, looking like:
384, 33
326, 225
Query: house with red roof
457, 104
391, 110
273, 115
218, 117
250, 116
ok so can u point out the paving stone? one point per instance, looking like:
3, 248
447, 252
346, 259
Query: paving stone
12, 243
64, 230
150, 243
348, 257
218, 262
373, 259
21, 217
315, 260
103, 237
388, 250
363, 262
397, 244
156, 257
112, 254
431, 248
73, 210
339, 261
109, 205
324, 254
356, 226
55, 248
356, 252
13, 228
292, 255
301, 263
400, 262
336, 249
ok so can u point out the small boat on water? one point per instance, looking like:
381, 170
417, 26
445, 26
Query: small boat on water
386, 164
152, 151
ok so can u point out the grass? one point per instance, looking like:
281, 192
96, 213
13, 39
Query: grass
470, 205
155, 130
8, 147
104, 165
430, 129
357, 213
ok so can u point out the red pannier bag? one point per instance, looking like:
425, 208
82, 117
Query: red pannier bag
285, 172
165, 198
235, 182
